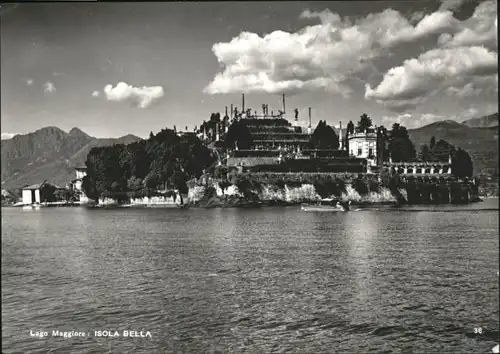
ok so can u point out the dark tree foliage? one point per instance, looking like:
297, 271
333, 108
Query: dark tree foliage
400, 146
66, 195
47, 193
238, 133
364, 122
433, 142
425, 153
324, 137
328, 187
89, 187
360, 186
382, 149
441, 151
461, 164
164, 159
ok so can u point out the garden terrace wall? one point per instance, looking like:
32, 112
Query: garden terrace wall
251, 161
300, 177
256, 153
325, 153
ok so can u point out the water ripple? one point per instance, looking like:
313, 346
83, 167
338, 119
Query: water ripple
251, 281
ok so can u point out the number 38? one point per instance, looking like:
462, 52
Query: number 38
478, 330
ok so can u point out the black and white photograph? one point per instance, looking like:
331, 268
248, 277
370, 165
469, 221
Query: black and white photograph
249, 177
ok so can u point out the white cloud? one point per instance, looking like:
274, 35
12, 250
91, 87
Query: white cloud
472, 112
479, 29
6, 136
432, 72
143, 95
96, 94
49, 87
477, 86
321, 56
29, 82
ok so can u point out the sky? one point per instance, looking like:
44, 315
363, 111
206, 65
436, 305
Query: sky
113, 69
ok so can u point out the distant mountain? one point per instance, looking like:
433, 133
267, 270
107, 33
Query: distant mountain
48, 154
480, 143
483, 122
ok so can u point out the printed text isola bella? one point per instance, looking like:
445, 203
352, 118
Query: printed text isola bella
106, 333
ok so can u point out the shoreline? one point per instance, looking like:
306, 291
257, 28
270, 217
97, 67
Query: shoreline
230, 202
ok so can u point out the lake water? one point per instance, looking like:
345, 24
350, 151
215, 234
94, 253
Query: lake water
260, 281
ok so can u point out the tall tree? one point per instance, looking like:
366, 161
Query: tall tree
364, 122
441, 151
425, 153
461, 164
433, 142
324, 137
238, 133
401, 147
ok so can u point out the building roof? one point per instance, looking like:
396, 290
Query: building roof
39, 185
81, 168
34, 186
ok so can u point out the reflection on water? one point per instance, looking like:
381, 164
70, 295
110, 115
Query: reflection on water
230, 280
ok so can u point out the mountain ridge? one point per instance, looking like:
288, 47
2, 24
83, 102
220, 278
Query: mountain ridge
480, 142
49, 153
488, 121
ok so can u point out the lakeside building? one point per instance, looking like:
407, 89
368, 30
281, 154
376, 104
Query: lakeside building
77, 183
31, 194
363, 144
37, 193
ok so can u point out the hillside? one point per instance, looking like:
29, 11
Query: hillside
480, 143
48, 154
483, 122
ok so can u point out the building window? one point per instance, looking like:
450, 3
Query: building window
359, 152
370, 152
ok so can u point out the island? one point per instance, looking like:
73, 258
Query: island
248, 159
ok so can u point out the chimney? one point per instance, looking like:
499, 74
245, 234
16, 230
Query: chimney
226, 111
232, 111
284, 104
242, 102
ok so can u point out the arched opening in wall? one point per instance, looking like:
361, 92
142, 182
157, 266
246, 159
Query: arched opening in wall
428, 170
401, 170
410, 170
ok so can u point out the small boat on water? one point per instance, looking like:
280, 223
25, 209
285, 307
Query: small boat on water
326, 204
